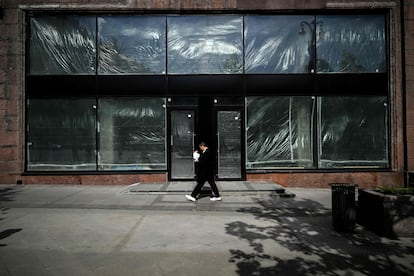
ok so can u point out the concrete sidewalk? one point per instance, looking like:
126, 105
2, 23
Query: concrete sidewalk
151, 229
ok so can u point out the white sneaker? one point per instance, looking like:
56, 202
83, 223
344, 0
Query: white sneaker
189, 197
215, 198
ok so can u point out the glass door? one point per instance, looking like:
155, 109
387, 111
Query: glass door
229, 150
182, 144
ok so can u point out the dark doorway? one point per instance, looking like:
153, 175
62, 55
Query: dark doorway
218, 126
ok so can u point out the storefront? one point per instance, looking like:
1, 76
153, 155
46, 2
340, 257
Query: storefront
275, 93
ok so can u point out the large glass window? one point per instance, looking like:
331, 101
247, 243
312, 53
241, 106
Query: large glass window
61, 135
132, 134
213, 44
278, 44
353, 132
131, 44
205, 45
279, 132
129, 133
62, 45
351, 44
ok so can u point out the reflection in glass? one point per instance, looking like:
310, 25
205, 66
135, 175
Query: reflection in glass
62, 45
132, 134
182, 144
275, 44
131, 44
61, 135
351, 44
279, 132
205, 45
353, 132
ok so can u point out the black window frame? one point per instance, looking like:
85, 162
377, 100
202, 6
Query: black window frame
241, 85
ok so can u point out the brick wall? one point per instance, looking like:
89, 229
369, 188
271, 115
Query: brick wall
12, 130
409, 86
11, 54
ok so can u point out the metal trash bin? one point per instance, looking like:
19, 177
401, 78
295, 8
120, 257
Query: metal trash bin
343, 206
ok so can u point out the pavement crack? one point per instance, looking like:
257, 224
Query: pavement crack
128, 236
61, 199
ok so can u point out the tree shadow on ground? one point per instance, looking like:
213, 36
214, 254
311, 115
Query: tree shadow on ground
7, 194
304, 243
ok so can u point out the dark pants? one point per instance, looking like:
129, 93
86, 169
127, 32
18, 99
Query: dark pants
200, 184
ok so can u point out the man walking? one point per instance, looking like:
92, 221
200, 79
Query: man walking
205, 172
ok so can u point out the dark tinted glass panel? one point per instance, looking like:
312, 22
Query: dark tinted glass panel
278, 44
229, 144
205, 45
131, 45
182, 144
353, 132
61, 135
62, 45
351, 44
279, 132
132, 134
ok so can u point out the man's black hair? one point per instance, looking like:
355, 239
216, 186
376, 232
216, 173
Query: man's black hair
204, 144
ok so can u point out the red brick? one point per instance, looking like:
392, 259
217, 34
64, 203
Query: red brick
13, 76
3, 62
409, 57
3, 49
322, 180
10, 123
6, 178
10, 16
11, 3
8, 153
13, 105
3, 75
9, 138
123, 179
410, 153
10, 167
2, 91
270, 5
3, 104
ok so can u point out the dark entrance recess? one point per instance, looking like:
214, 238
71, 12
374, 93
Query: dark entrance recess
214, 120
204, 127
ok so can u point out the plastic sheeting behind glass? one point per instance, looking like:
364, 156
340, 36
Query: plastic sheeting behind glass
205, 45
131, 44
229, 144
131, 134
279, 132
182, 144
351, 44
353, 132
62, 45
278, 44
61, 135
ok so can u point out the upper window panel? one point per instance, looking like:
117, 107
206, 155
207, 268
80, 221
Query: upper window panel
351, 44
131, 45
62, 45
205, 45
278, 44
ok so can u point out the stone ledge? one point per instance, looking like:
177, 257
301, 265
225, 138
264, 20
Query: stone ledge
387, 215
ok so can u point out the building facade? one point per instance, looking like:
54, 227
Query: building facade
302, 93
